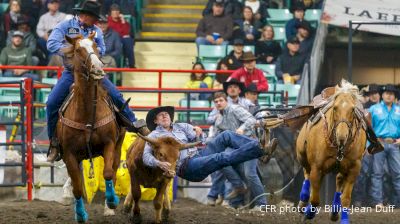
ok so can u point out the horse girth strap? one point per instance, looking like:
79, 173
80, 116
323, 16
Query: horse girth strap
85, 127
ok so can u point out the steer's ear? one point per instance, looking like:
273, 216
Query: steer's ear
189, 145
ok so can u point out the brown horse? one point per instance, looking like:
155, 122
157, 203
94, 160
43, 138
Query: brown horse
87, 127
335, 142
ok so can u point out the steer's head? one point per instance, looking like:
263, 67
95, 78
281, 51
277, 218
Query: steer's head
166, 149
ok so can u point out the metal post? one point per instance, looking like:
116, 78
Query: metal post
159, 86
29, 122
188, 108
350, 52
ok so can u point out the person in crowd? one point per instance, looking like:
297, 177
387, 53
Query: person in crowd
127, 7
247, 28
249, 73
289, 65
306, 37
373, 94
267, 49
48, 21
232, 8
117, 22
193, 164
259, 8
112, 42
82, 24
298, 11
385, 119
215, 28
17, 54
221, 77
233, 58
199, 80
251, 94
10, 18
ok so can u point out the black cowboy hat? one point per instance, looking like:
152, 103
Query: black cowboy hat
22, 20
252, 88
151, 115
372, 88
90, 7
248, 56
390, 88
234, 82
297, 6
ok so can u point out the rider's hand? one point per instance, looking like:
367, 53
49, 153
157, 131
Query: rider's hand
198, 130
165, 166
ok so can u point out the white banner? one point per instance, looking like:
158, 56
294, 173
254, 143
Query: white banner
339, 12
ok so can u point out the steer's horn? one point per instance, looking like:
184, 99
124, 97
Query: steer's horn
189, 145
147, 139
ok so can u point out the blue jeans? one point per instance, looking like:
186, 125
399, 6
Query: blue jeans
218, 185
360, 190
392, 154
214, 157
204, 41
127, 46
61, 91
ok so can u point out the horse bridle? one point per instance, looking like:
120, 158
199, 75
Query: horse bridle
89, 73
341, 149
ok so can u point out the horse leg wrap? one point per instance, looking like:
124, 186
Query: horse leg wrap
80, 212
310, 211
112, 200
336, 204
345, 216
305, 191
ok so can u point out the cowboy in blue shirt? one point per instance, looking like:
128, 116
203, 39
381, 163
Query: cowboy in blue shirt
81, 24
386, 124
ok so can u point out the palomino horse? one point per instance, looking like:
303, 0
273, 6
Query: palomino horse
87, 127
335, 142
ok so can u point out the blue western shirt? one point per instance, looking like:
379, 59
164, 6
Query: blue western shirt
72, 28
182, 132
386, 124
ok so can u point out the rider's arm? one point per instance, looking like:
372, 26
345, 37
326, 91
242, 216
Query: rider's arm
148, 157
244, 116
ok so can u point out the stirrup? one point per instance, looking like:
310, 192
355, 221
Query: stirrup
54, 152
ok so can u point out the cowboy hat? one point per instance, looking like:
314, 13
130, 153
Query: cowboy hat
90, 7
390, 88
248, 56
372, 88
151, 115
234, 82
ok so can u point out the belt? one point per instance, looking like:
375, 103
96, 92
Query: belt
387, 140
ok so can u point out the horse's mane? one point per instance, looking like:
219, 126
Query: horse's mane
347, 87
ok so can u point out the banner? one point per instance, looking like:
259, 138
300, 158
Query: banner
339, 12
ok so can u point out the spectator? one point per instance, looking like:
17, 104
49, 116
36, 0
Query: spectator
233, 58
232, 8
199, 80
247, 28
112, 42
249, 73
47, 22
215, 28
221, 77
259, 8
289, 65
17, 54
373, 96
385, 119
128, 7
298, 11
306, 37
117, 22
29, 39
10, 18
252, 95
267, 49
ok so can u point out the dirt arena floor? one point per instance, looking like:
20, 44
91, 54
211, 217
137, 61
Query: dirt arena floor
183, 211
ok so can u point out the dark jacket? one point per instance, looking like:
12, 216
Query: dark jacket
231, 7
291, 28
306, 45
215, 24
267, 48
287, 63
240, 31
113, 44
232, 62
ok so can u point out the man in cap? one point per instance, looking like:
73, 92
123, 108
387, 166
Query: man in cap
385, 117
373, 93
306, 37
112, 42
233, 58
232, 8
289, 65
193, 164
216, 28
252, 94
298, 10
249, 73
82, 24
17, 54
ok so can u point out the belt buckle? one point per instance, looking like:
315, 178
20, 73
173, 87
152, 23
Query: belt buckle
388, 140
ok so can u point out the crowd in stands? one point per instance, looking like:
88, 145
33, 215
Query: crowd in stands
35, 21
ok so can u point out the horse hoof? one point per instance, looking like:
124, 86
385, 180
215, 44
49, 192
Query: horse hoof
113, 202
310, 212
127, 209
334, 216
136, 219
165, 216
108, 212
302, 205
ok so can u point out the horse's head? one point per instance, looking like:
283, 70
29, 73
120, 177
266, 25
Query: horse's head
343, 113
166, 149
87, 55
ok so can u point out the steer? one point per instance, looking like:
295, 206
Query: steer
165, 149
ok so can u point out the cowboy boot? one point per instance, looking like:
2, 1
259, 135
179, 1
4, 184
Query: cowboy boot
53, 154
138, 126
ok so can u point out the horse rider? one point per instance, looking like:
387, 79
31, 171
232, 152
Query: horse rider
195, 165
82, 24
